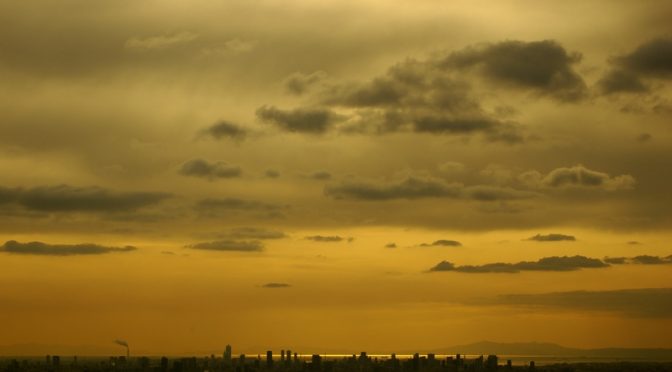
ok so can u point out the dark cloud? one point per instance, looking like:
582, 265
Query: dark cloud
276, 285
644, 137
615, 260
543, 66
321, 175
204, 169
652, 59
650, 260
271, 173
225, 129
617, 81
391, 245
643, 302
555, 263
442, 243
417, 188
418, 96
552, 238
235, 204
298, 83
215, 207
256, 233
65, 198
302, 120
229, 246
327, 239
410, 188
580, 176
640, 260
494, 193
44, 249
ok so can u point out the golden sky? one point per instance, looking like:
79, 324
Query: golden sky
334, 175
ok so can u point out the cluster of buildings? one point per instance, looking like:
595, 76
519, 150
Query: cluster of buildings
285, 361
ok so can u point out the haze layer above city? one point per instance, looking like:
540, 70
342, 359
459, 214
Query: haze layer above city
334, 176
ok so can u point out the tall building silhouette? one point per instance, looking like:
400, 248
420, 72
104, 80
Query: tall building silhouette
227, 354
269, 359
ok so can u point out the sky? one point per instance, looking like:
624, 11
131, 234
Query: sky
334, 175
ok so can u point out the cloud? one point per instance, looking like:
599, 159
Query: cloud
229, 246
617, 81
274, 285
644, 137
65, 198
410, 188
412, 96
327, 239
225, 129
651, 60
302, 120
160, 41
642, 302
542, 66
640, 260
442, 243
321, 175
552, 238
203, 169
391, 245
555, 263
418, 96
255, 233
226, 204
271, 173
421, 187
299, 83
44, 249
578, 176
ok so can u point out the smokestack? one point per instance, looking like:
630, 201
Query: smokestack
125, 344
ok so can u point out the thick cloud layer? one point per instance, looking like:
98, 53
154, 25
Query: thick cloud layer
421, 187
44, 249
640, 260
555, 263
65, 198
225, 129
301, 120
552, 238
578, 177
327, 239
273, 285
542, 66
651, 60
229, 246
204, 169
442, 243
644, 302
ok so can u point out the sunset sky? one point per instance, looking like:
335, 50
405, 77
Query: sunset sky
334, 175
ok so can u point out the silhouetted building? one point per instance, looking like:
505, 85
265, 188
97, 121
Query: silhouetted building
269, 359
316, 362
227, 354
491, 362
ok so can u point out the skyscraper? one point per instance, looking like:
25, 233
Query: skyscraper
227, 354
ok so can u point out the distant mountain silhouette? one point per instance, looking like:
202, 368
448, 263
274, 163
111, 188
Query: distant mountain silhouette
550, 349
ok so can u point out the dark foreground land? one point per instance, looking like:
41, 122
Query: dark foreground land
314, 363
